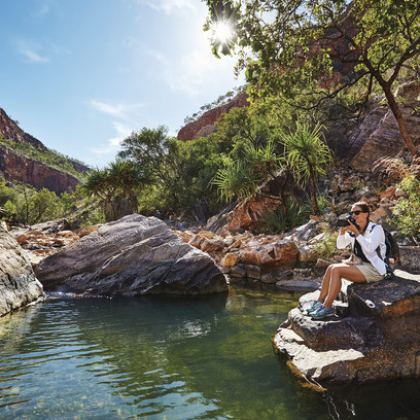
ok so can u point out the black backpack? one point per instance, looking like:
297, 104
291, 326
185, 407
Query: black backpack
392, 248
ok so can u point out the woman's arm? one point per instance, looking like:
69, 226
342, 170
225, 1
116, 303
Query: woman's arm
343, 239
371, 241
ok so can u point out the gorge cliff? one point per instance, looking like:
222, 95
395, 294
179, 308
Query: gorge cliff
23, 158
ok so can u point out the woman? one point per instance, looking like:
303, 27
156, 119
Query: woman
365, 265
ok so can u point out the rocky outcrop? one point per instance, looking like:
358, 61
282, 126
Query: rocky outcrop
135, 255
10, 130
206, 124
378, 135
16, 167
260, 259
376, 337
18, 285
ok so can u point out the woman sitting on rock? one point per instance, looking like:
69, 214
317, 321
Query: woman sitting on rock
366, 263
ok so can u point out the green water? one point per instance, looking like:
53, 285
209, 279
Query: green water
169, 358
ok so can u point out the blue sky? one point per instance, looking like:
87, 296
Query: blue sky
80, 75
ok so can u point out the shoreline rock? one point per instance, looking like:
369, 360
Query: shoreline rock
375, 337
18, 284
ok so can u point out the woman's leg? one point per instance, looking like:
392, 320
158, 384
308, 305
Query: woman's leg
325, 285
339, 271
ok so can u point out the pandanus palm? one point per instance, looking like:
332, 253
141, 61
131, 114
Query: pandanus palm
307, 156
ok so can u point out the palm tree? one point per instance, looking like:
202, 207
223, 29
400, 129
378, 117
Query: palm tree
307, 156
242, 178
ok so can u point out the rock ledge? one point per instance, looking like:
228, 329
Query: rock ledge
376, 337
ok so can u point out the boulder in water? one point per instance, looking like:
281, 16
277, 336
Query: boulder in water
135, 255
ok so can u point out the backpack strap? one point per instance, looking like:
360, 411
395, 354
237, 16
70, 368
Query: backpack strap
372, 227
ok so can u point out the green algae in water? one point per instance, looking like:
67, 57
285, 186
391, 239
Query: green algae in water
174, 358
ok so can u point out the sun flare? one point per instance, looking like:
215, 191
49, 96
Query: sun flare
222, 31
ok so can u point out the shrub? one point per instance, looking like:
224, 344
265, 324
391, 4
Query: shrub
406, 213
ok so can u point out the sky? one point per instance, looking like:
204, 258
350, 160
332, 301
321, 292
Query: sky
81, 75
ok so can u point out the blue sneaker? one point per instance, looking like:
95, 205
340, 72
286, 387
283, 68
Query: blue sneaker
323, 313
316, 304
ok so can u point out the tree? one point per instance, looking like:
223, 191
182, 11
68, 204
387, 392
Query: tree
121, 179
307, 156
312, 50
246, 169
148, 148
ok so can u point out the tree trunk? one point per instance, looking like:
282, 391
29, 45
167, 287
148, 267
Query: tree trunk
313, 189
314, 201
393, 105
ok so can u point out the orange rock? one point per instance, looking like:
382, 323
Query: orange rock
378, 214
249, 256
285, 253
389, 193
230, 260
196, 241
206, 234
22, 239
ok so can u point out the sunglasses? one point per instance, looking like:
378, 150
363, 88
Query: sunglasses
357, 212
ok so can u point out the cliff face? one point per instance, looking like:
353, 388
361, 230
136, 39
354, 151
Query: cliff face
206, 124
17, 167
20, 168
378, 135
10, 130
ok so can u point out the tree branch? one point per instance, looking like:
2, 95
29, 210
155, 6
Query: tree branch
410, 52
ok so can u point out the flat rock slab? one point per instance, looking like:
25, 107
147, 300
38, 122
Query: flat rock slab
135, 255
298, 285
386, 298
18, 285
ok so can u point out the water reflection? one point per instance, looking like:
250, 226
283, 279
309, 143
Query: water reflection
158, 357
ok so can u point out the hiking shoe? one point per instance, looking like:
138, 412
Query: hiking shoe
316, 304
323, 313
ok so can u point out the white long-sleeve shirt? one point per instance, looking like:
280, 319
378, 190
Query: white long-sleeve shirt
373, 238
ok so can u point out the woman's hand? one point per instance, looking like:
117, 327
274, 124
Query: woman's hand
353, 228
343, 230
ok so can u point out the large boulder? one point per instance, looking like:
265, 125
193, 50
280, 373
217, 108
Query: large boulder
135, 255
378, 135
18, 285
377, 337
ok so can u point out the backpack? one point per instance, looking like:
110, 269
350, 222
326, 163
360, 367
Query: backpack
392, 248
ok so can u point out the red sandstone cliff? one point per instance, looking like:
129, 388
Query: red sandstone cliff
10, 130
206, 124
16, 167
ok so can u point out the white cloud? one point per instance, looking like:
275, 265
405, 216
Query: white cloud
112, 145
122, 111
170, 6
31, 52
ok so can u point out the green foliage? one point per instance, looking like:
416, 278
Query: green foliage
291, 214
122, 179
41, 206
247, 168
49, 157
406, 213
10, 208
313, 50
24, 204
307, 156
326, 247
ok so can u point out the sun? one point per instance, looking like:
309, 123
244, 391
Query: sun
222, 31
